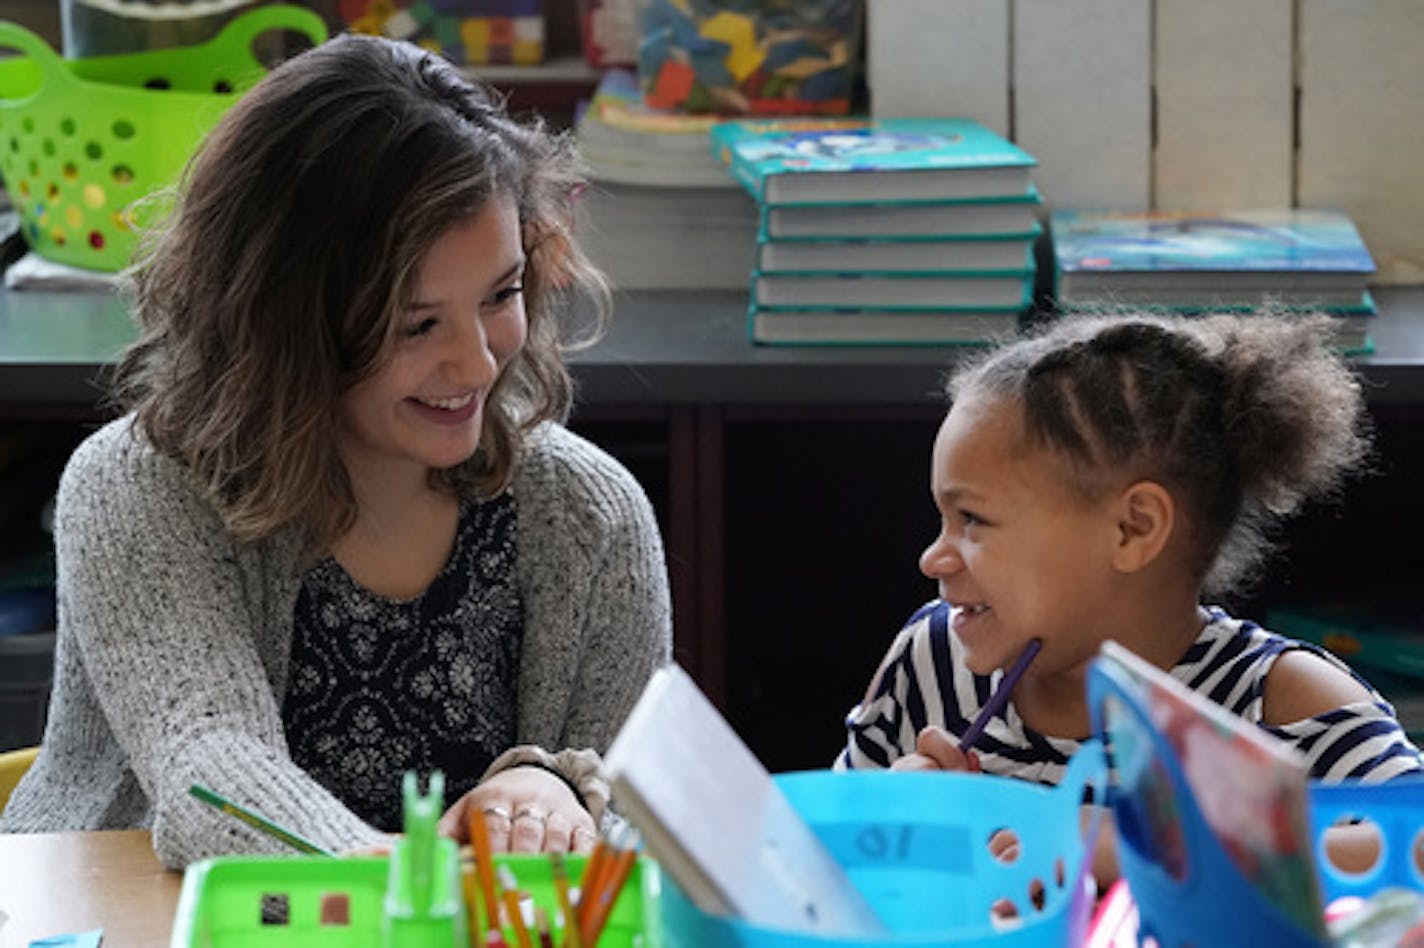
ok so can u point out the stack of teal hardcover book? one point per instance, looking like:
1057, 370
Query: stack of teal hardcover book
1287, 259
891, 231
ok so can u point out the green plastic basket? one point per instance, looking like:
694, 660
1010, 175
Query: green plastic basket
321, 902
83, 140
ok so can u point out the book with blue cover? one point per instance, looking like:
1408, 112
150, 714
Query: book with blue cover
1250, 787
815, 161
1203, 259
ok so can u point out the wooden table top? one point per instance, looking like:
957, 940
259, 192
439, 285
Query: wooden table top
63, 883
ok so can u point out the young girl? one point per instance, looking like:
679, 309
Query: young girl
340, 533
1093, 483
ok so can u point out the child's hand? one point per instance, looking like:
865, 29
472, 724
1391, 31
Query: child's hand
526, 809
936, 749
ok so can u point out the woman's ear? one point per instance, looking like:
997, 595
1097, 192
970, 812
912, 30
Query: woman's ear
1146, 515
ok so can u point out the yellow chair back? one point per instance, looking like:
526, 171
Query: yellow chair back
13, 765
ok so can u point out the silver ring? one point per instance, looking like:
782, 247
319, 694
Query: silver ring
498, 811
528, 812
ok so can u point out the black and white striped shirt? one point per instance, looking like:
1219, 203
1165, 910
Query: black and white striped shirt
923, 681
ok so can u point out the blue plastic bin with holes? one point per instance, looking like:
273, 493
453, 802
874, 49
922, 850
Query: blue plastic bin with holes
1396, 811
917, 845
1169, 897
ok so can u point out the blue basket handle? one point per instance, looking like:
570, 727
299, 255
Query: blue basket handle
237, 36
1087, 768
50, 64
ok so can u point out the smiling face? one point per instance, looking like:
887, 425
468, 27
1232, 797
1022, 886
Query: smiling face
1020, 553
423, 408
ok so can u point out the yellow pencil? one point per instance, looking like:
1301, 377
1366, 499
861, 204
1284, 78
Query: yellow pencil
484, 867
566, 906
510, 889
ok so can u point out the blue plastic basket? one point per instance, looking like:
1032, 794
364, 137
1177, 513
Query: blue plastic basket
1397, 811
917, 846
1151, 782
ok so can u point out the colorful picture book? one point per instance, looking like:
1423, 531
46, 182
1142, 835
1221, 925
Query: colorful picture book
1009, 254
1017, 216
1250, 788
881, 327
1209, 259
892, 291
717, 823
794, 161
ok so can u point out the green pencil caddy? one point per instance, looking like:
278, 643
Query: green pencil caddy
84, 141
413, 899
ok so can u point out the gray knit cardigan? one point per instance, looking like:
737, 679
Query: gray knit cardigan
171, 658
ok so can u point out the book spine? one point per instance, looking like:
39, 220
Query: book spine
1358, 151
938, 57
749, 178
1082, 99
1225, 103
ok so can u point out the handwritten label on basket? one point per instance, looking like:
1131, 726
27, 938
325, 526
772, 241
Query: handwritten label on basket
911, 845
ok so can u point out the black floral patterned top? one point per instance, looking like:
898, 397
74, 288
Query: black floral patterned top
380, 686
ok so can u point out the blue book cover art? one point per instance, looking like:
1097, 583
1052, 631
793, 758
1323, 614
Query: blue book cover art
1292, 241
865, 160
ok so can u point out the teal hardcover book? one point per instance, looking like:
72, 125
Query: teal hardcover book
1204, 259
947, 290
1015, 216
829, 326
991, 254
811, 161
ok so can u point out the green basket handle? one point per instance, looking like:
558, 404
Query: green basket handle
237, 36
49, 63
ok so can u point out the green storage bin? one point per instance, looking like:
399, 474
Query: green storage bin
83, 141
224, 900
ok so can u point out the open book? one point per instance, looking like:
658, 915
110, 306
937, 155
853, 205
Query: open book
716, 822
1250, 787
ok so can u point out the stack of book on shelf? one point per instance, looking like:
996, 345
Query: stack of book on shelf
660, 213
896, 231
1212, 261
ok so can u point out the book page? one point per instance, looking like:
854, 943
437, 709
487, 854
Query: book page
713, 817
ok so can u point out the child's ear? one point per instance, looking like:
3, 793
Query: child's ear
1146, 515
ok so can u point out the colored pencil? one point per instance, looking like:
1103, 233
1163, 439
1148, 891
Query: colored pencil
510, 887
256, 821
1000, 697
484, 867
566, 908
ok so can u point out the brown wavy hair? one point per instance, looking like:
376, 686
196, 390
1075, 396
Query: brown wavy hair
293, 242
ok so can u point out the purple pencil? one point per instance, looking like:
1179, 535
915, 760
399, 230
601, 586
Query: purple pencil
1000, 697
